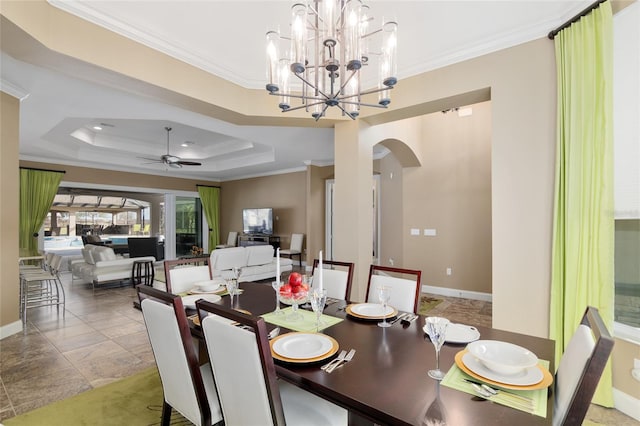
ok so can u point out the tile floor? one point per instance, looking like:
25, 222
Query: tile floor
102, 338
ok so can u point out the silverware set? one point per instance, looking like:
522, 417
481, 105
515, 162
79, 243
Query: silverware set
405, 317
498, 395
339, 361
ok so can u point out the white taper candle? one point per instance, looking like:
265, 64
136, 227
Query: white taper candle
278, 264
320, 271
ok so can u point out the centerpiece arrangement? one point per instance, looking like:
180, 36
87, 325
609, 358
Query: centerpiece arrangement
294, 293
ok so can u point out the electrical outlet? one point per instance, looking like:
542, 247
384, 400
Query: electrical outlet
390, 261
448, 271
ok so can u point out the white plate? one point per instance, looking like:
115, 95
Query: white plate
503, 357
528, 377
190, 301
207, 286
373, 310
460, 333
302, 345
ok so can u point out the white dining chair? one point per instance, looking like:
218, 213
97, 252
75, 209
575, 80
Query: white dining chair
295, 249
181, 275
187, 387
244, 371
403, 285
580, 368
232, 240
336, 277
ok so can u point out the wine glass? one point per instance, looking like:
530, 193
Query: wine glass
232, 289
437, 331
318, 300
276, 286
383, 296
306, 280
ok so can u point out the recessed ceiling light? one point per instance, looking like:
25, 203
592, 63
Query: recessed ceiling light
187, 143
97, 128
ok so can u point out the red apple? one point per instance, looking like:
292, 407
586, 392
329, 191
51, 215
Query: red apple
304, 287
295, 279
285, 290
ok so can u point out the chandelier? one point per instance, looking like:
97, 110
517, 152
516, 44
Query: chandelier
322, 62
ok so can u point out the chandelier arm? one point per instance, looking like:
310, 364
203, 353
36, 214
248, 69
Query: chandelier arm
346, 112
301, 106
346, 82
313, 86
322, 112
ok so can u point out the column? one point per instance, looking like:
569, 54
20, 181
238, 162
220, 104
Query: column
353, 221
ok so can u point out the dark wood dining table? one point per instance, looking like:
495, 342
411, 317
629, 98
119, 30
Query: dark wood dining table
386, 383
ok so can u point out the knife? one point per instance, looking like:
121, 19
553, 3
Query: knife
494, 392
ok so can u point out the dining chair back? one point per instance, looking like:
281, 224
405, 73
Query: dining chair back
232, 240
403, 284
188, 387
295, 249
244, 371
181, 275
580, 369
336, 277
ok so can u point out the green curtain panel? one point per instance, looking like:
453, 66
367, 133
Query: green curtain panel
37, 191
210, 197
583, 234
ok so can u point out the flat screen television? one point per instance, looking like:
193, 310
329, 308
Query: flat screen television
257, 221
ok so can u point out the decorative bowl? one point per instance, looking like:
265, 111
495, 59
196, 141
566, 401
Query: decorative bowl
297, 298
502, 357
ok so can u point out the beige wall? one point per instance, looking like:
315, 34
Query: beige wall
9, 188
391, 206
316, 207
624, 352
285, 193
451, 193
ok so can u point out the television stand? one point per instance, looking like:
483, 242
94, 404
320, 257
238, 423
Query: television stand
258, 240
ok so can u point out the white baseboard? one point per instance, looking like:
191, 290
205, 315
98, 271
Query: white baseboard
10, 329
626, 404
452, 292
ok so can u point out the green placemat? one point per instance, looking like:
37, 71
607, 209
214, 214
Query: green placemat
306, 323
455, 379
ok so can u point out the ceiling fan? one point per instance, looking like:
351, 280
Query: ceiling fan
172, 160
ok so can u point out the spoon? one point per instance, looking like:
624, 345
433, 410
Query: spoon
273, 333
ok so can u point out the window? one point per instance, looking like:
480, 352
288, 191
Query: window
626, 107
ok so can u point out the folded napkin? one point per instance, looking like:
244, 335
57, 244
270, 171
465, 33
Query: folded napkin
455, 379
306, 323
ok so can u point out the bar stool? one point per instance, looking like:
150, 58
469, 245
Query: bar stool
142, 272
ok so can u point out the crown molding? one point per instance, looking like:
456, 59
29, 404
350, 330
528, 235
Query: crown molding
13, 90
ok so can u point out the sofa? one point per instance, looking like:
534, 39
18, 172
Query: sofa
254, 263
100, 264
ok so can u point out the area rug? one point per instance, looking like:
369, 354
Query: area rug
135, 400
427, 303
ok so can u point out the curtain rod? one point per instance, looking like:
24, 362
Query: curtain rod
576, 18
43, 170
208, 186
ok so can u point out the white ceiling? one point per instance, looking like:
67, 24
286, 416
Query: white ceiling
226, 38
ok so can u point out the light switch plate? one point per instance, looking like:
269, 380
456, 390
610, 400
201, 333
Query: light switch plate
430, 233
415, 231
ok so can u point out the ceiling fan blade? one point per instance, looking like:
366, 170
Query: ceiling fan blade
188, 163
155, 160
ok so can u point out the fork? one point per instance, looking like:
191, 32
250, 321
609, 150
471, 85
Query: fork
339, 364
339, 358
